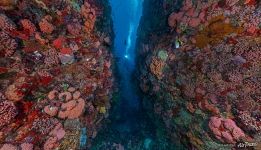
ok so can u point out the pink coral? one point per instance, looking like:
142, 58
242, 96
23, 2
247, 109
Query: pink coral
225, 130
9, 147
55, 136
190, 15
58, 132
74, 28
71, 104
51, 143
7, 44
7, 112
27, 146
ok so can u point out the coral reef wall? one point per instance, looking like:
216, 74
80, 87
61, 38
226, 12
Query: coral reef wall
55, 72
199, 66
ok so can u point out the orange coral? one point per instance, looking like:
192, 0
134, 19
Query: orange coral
45, 25
8, 4
215, 31
156, 67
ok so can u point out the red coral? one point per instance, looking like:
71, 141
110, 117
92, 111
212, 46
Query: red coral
58, 43
66, 51
28, 26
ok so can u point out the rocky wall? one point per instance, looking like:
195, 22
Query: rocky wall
56, 78
199, 66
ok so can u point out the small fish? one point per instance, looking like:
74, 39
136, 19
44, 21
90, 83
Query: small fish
177, 43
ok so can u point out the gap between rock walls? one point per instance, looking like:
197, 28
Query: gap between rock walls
130, 74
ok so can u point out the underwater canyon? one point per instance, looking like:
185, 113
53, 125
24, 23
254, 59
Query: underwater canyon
130, 74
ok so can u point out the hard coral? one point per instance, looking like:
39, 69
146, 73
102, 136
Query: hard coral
45, 25
44, 125
8, 112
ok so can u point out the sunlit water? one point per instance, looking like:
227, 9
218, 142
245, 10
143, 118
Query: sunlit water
129, 124
126, 15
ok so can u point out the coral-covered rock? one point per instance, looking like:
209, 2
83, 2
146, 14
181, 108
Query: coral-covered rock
214, 73
47, 45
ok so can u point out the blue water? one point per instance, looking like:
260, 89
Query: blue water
126, 16
128, 125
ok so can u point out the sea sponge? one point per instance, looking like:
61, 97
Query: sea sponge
72, 105
225, 130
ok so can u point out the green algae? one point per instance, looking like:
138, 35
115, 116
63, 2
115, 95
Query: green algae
184, 119
163, 55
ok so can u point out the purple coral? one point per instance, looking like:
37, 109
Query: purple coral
7, 112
